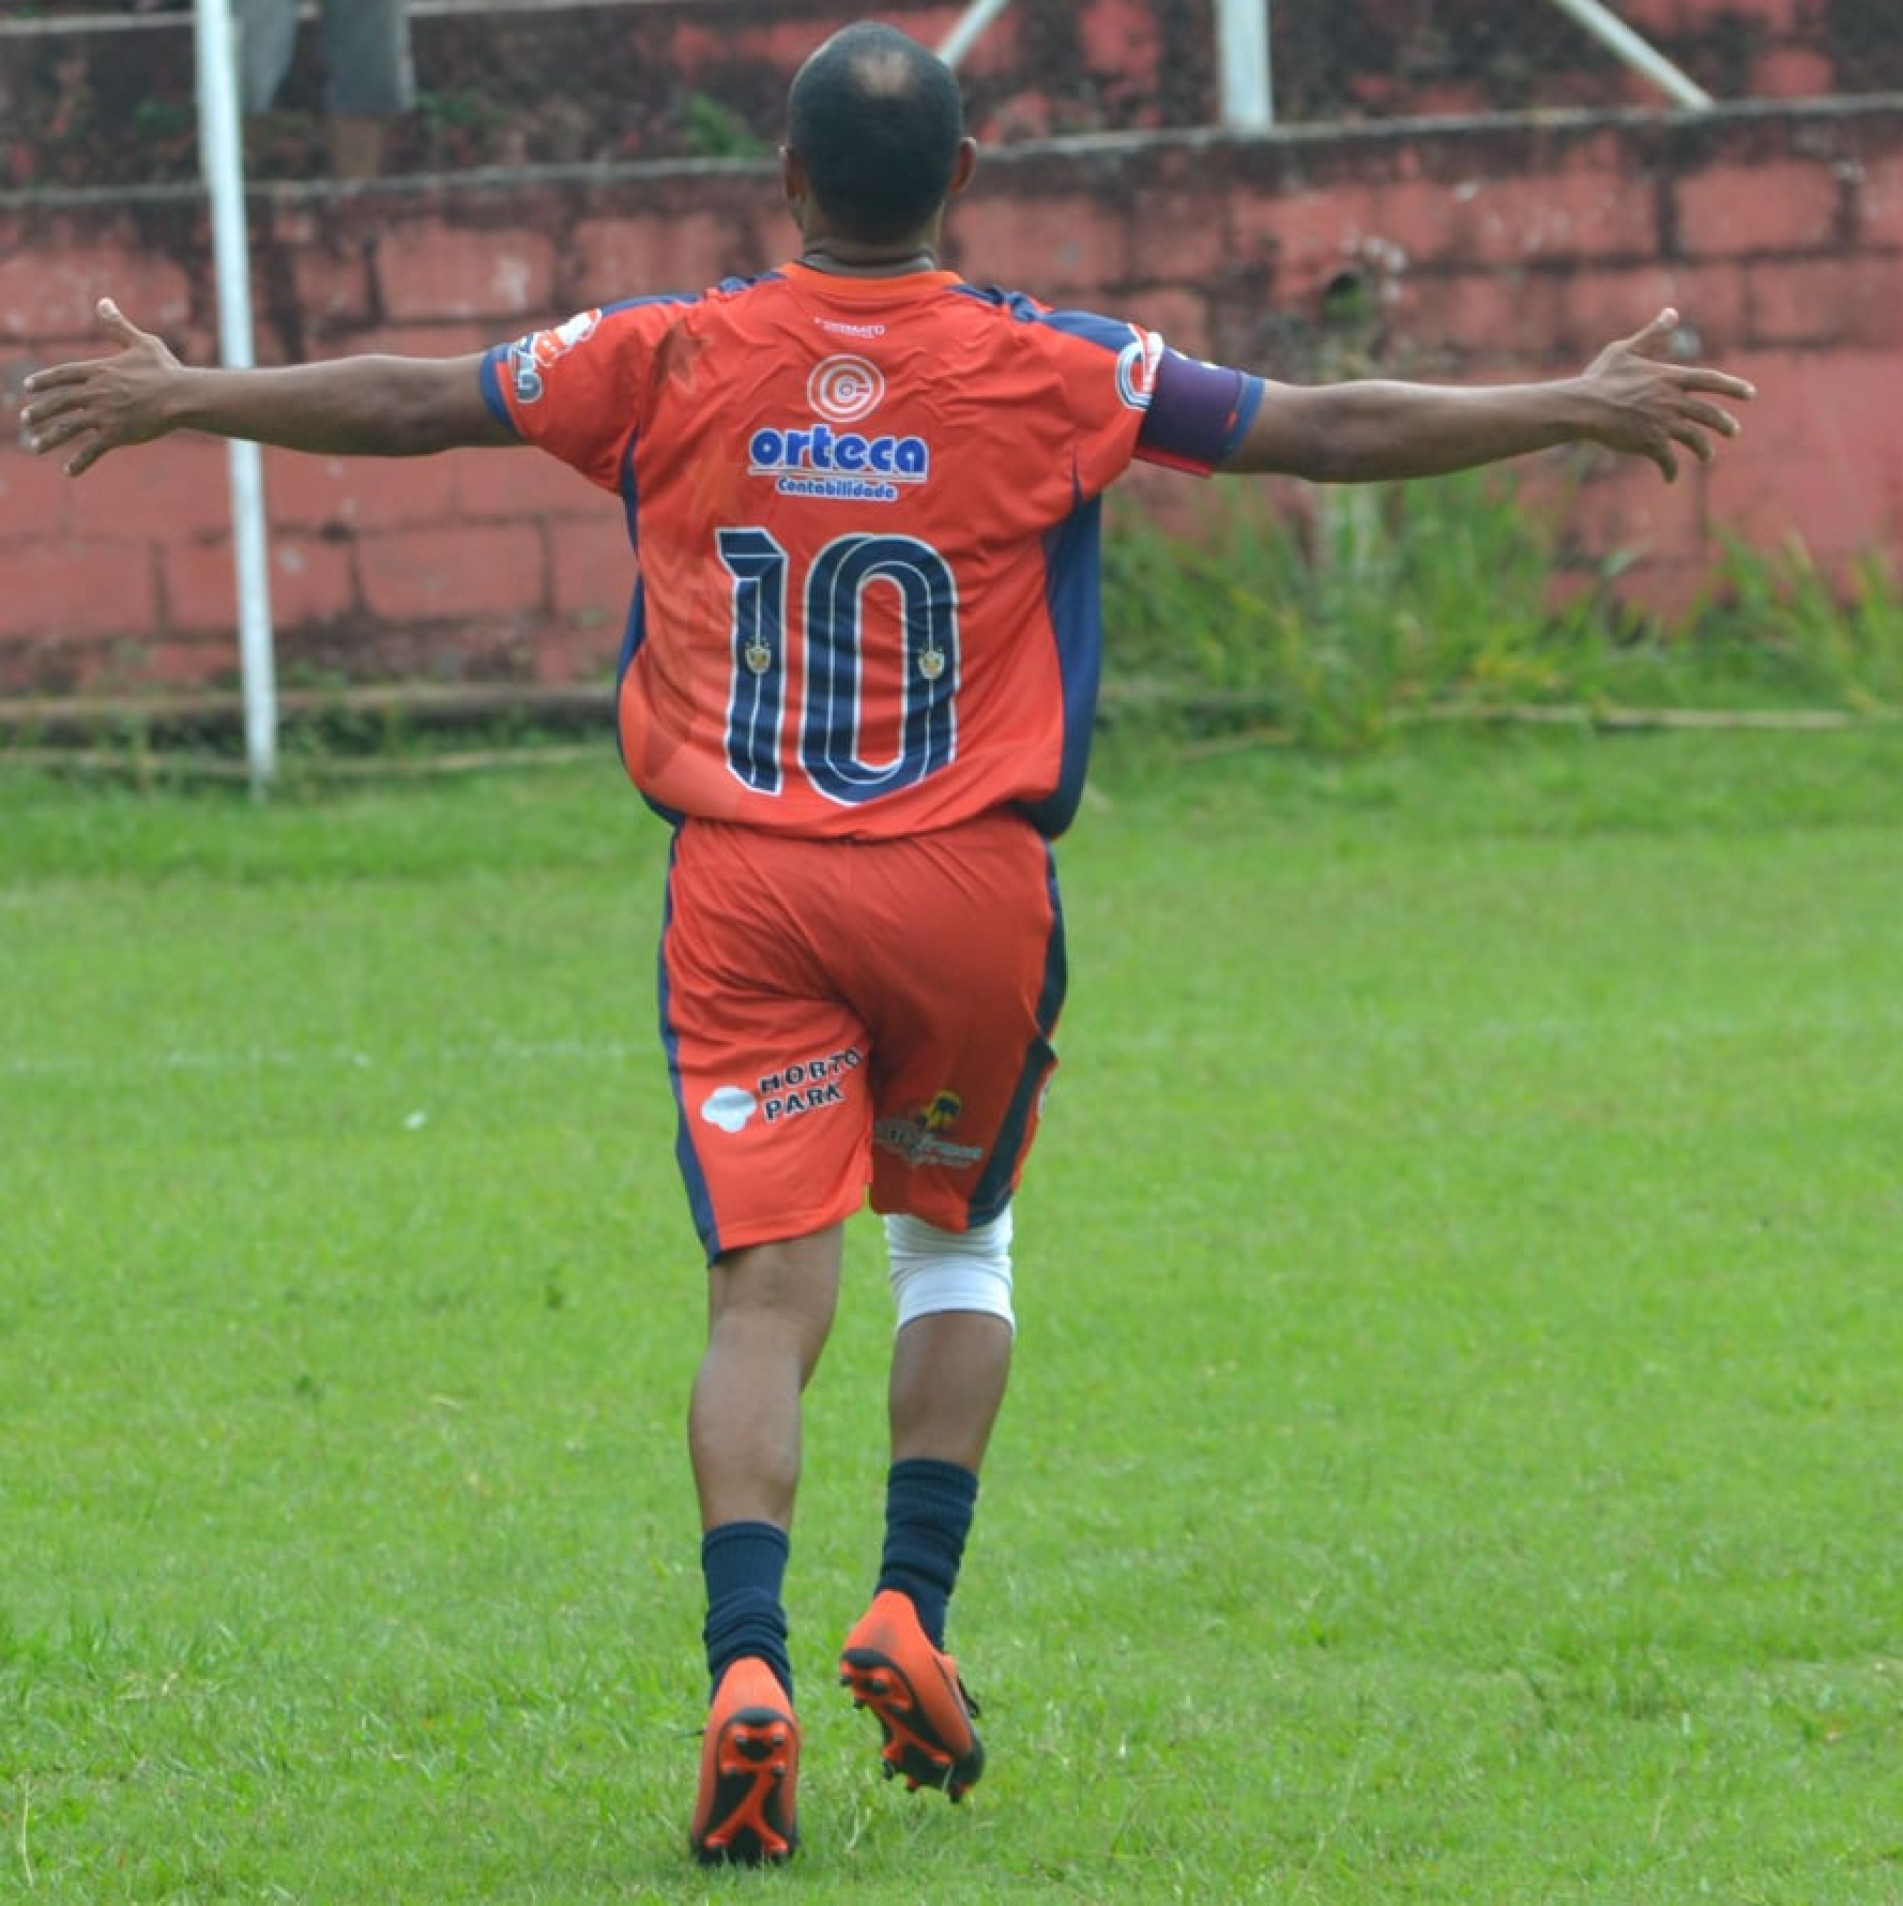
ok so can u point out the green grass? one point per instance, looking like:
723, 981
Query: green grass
1453, 1455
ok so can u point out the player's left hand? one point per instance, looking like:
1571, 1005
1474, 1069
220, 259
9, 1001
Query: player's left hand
1644, 404
103, 402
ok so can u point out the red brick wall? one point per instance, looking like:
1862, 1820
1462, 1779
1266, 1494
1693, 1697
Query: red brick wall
1488, 249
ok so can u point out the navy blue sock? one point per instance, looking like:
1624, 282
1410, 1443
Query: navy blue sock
744, 1564
928, 1511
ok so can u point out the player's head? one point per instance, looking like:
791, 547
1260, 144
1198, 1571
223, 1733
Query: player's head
876, 124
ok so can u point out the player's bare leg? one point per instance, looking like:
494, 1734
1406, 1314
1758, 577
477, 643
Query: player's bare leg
770, 1308
949, 1371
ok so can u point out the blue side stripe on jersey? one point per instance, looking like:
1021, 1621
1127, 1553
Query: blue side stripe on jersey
635, 631
1073, 601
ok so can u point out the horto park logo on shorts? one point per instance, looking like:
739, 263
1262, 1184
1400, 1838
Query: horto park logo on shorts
827, 459
788, 1091
729, 1107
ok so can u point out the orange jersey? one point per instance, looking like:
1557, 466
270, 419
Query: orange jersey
866, 517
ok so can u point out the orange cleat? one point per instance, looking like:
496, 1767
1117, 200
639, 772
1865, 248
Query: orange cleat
749, 1772
893, 1669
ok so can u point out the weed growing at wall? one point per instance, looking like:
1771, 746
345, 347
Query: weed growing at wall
1837, 638
1332, 626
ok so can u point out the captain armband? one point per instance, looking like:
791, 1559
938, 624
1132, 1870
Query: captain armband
1197, 415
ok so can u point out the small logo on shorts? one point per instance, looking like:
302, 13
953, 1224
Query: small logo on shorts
729, 1107
924, 1138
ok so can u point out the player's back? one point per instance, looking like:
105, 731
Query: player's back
865, 511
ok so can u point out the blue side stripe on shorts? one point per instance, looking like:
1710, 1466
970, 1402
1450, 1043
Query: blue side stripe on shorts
994, 1185
700, 1200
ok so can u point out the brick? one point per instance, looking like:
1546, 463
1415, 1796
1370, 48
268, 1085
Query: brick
1122, 39
77, 587
37, 498
579, 651
358, 495
1595, 307
1482, 318
642, 257
593, 570
1623, 506
51, 291
332, 288
1049, 247
1730, 210
1794, 72
432, 340
1825, 302
1822, 451
1174, 239
310, 580
1182, 317
430, 271
1880, 201
1577, 212
521, 482
178, 487
1305, 237
435, 574
1773, 18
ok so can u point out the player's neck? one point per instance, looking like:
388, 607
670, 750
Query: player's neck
853, 258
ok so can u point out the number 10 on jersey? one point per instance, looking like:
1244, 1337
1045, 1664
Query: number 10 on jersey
833, 663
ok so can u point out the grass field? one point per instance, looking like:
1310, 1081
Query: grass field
1456, 1442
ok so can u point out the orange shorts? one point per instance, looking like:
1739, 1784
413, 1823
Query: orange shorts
845, 1013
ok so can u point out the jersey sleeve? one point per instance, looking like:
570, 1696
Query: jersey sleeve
575, 390
1109, 371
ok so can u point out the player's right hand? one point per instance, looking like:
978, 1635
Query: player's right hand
98, 404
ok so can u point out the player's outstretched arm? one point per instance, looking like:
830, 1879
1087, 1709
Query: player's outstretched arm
353, 406
1631, 399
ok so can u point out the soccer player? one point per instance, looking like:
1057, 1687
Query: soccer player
858, 680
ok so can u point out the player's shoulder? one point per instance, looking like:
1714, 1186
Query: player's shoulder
1087, 350
1092, 329
670, 306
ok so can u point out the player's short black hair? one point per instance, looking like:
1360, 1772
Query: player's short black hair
876, 120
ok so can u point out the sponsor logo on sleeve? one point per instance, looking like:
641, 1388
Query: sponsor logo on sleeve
1136, 369
529, 357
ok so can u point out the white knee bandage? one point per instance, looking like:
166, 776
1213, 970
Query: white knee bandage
935, 1270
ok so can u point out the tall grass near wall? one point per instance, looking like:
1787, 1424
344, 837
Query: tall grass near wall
1334, 624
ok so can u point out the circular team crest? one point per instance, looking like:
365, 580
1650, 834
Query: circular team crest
844, 389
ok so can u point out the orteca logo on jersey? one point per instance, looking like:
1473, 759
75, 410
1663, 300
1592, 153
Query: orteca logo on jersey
821, 460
